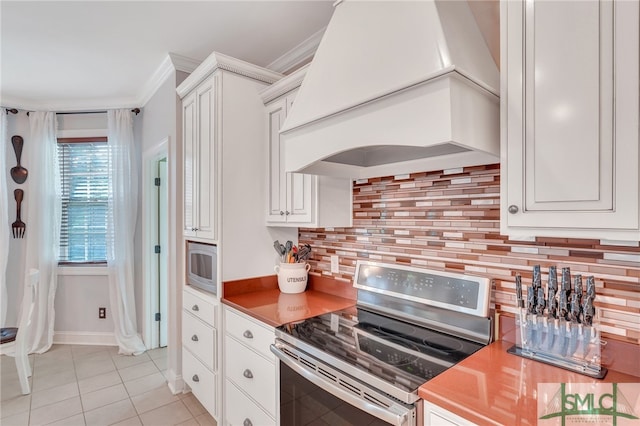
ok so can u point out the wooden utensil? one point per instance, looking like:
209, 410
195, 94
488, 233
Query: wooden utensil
18, 173
18, 226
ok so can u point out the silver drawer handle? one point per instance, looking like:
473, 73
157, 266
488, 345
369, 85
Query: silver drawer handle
194, 338
195, 308
195, 378
248, 334
513, 209
247, 422
248, 374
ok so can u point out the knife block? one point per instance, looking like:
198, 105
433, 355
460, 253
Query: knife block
558, 342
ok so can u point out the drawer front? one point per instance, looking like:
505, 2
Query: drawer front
200, 339
252, 373
201, 381
248, 332
241, 411
200, 307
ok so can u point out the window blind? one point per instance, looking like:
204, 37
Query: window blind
84, 173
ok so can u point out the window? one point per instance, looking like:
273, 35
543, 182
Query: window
84, 175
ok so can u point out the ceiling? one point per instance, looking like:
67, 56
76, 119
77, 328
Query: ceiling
88, 55
82, 55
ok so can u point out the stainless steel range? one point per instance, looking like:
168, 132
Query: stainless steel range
364, 365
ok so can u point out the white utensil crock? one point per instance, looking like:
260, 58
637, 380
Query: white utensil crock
292, 277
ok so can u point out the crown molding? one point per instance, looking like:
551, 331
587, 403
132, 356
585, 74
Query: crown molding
171, 63
284, 85
217, 61
299, 54
184, 64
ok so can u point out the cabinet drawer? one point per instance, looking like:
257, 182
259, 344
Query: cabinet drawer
200, 339
252, 373
200, 307
240, 410
248, 332
201, 381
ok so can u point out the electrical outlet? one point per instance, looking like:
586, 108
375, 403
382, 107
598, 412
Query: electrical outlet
102, 313
335, 267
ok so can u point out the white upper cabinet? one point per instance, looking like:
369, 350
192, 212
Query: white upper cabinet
569, 103
199, 140
296, 199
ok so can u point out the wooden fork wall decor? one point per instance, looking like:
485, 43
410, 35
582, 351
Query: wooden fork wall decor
18, 227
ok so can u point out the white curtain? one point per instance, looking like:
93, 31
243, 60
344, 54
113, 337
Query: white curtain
121, 225
44, 208
5, 223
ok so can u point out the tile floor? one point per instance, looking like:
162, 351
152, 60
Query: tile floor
92, 386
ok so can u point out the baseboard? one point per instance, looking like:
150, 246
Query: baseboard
84, 338
175, 382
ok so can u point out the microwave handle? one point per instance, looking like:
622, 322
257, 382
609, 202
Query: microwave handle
396, 414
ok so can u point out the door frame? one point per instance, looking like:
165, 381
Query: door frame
150, 158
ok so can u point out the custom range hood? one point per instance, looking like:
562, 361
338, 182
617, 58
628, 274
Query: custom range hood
396, 87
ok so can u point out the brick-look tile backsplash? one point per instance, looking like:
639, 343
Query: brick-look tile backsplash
450, 220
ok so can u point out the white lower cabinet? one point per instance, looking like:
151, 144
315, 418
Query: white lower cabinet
201, 380
437, 416
250, 385
240, 410
200, 347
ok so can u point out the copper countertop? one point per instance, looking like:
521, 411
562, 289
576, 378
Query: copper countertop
260, 298
495, 387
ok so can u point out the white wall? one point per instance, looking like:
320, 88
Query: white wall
161, 116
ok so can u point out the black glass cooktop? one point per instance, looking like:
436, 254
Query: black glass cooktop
403, 354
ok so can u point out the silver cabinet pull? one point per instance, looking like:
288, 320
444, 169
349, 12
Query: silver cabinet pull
248, 334
513, 209
247, 422
195, 378
248, 374
195, 308
194, 338
281, 213
287, 213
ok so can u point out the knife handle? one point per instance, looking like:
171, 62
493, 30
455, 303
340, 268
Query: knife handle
553, 279
519, 301
537, 277
553, 303
531, 300
566, 280
540, 301
591, 287
564, 308
575, 308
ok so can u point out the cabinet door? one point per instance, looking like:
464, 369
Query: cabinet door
299, 201
299, 188
570, 99
277, 190
206, 160
190, 169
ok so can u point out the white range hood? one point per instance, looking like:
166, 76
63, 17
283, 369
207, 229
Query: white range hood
396, 87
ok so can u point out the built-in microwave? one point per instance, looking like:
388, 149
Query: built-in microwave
202, 266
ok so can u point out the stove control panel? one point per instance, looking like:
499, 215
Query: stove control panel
457, 292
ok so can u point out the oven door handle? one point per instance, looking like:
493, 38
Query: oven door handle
395, 414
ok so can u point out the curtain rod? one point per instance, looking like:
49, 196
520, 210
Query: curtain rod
15, 111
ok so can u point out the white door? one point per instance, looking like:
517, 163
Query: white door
163, 241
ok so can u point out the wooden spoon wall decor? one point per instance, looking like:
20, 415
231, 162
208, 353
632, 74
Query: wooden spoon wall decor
18, 173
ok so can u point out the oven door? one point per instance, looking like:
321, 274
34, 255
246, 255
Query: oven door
311, 390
